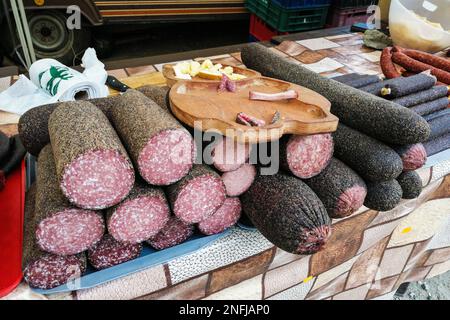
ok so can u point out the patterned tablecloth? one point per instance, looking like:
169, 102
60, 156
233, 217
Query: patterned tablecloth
368, 256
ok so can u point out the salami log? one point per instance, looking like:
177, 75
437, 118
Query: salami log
226, 216
404, 86
371, 159
439, 125
420, 97
198, 195
140, 216
413, 156
372, 115
357, 80
345, 78
40, 269
92, 165
288, 213
430, 107
61, 228
383, 196
160, 95
161, 148
438, 114
33, 124
306, 156
437, 145
238, 181
173, 233
411, 184
109, 252
340, 189
228, 155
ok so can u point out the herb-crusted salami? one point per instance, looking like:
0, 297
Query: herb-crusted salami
140, 216
226, 216
340, 189
61, 228
423, 96
411, 184
198, 195
109, 252
306, 156
238, 181
413, 156
437, 145
430, 107
160, 95
288, 213
173, 233
383, 196
377, 117
92, 165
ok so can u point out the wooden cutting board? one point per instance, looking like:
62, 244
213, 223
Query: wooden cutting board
200, 105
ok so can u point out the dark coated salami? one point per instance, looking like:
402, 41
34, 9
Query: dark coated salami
92, 165
226, 216
228, 155
423, 96
383, 196
238, 181
437, 145
109, 252
411, 184
198, 195
413, 156
140, 216
306, 156
430, 107
173, 233
61, 228
161, 148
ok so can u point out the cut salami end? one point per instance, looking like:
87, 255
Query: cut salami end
138, 219
70, 231
312, 240
349, 201
97, 179
414, 158
167, 157
51, 271
238, 181
229, 155
308, 155
109, 252
226, 216
199, 198
173, 233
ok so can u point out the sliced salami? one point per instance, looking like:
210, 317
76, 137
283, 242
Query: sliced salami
238, 181
174, 232
109, 252
60, 227
161, 148
306, 156
140, 216
226, 216
198, 195
92, 165
229, 155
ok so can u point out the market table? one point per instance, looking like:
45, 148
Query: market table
368, 255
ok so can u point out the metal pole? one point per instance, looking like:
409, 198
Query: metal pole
21, 34
26, 28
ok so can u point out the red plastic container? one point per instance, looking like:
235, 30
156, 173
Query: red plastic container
12, 200
260, 31
338, 17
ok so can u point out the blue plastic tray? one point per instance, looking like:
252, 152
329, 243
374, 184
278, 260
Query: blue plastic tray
149, 257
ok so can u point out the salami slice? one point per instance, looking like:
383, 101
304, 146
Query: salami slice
198, 195
161, 148
226, 216
45, 270
92, 165
109, 252
61, 228
306, 156
228, 155
173, 233
238, 181
140, 216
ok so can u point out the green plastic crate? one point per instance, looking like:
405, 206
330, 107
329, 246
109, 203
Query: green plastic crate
288, 20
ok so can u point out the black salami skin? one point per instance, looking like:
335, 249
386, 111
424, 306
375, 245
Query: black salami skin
371, 159
109, 252
340, 189
440, 125
377, 117
383, 196
288, 213
411, 184
431, 94
438, 114
437, 145
358, 81
403, 86
430, 107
